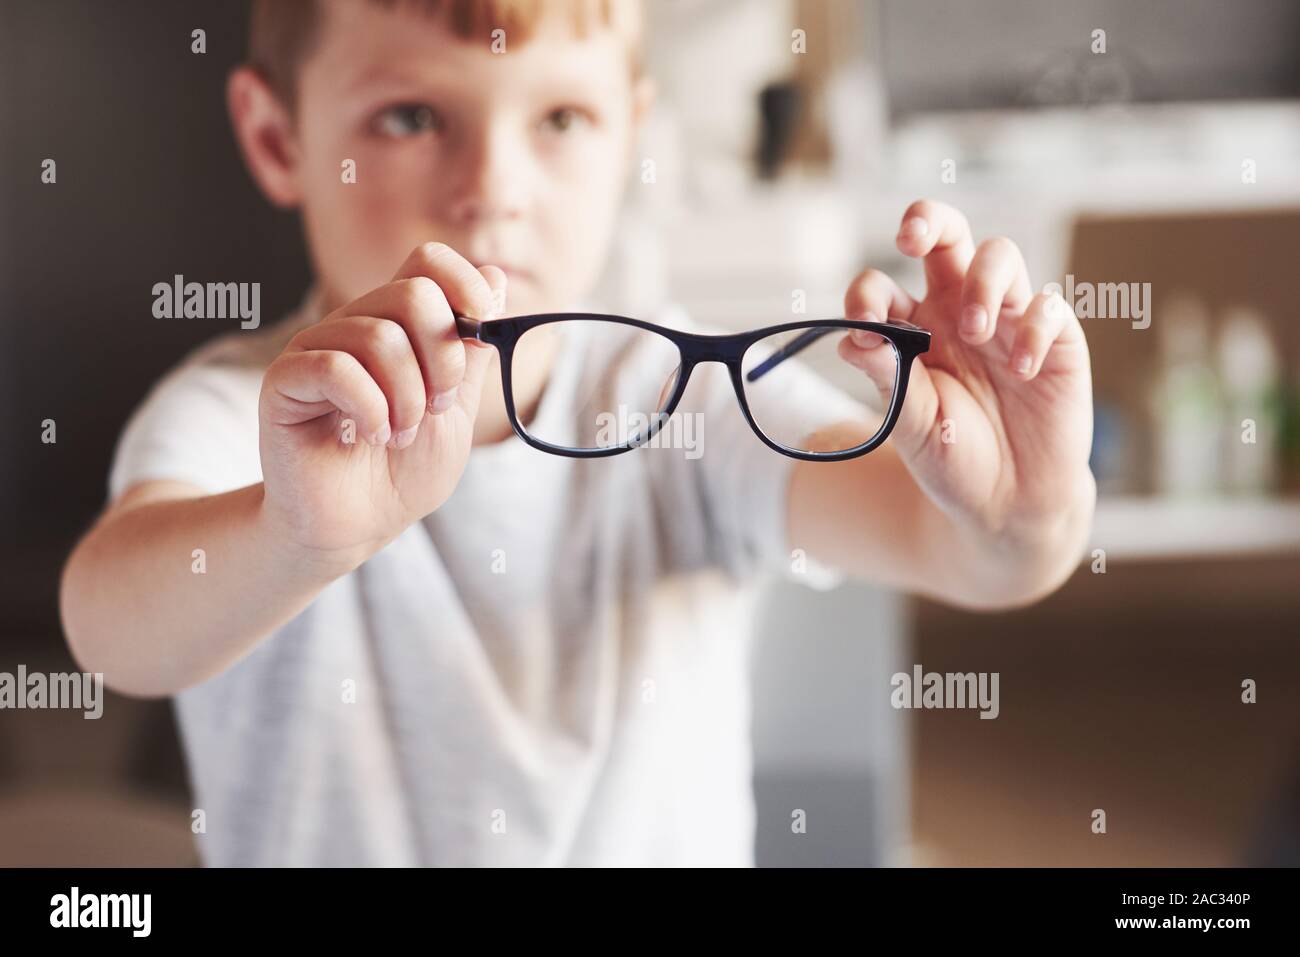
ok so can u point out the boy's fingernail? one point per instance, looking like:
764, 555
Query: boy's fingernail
1023, 363
383, 435
442, 401
914, 228
405, 437
973, 320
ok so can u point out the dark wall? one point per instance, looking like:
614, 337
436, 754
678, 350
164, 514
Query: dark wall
150, 184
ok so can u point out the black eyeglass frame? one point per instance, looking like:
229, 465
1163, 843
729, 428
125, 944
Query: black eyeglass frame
909, 341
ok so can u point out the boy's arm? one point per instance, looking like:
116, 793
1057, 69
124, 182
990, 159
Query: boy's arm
982, 495
868, 517
364, 426
141, 608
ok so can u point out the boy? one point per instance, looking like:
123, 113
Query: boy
434, 644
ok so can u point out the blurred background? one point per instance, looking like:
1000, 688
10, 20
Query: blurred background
789, 137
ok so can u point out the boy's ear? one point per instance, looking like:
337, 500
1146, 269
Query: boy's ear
265, 132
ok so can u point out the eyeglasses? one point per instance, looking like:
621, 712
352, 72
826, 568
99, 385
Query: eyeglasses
643, 369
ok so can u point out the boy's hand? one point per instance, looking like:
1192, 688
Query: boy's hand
367, 417
997, 422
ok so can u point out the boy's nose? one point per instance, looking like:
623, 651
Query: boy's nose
491, 182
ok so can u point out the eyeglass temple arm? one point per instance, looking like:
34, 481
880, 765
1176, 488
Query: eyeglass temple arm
803, 341
791, 348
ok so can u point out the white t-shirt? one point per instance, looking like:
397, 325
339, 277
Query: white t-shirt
551, 669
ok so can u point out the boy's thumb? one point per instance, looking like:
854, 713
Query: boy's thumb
919, 416
478, 359
479, 355
496, 280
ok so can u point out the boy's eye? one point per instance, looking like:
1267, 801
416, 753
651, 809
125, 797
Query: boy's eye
407, 119
564, 119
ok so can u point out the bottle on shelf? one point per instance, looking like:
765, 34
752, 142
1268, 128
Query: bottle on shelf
1186, 409
1250, 373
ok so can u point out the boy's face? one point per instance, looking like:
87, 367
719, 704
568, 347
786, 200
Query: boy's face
514, 159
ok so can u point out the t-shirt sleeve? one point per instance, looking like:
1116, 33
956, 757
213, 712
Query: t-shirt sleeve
199, 425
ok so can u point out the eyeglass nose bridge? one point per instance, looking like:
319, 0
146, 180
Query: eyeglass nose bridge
713, 354
699, 347
698, 352
696, 349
